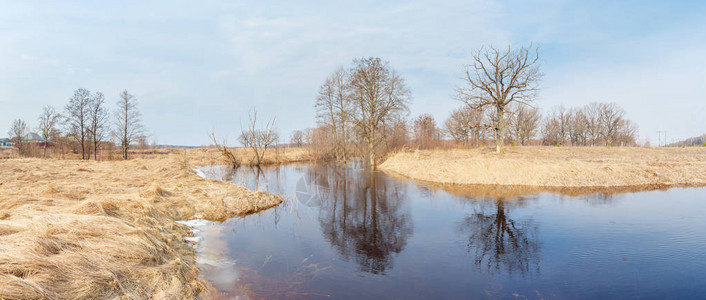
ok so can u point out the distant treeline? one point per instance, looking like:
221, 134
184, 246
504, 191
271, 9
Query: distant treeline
85, 127
692, 141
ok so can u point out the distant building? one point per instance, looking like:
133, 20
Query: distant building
5, 142
33, 138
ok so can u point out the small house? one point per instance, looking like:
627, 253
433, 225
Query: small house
33, 138
5, 142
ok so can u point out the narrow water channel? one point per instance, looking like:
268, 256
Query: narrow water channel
345, 233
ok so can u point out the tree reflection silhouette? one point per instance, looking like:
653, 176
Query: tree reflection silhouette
363, 216
501, 243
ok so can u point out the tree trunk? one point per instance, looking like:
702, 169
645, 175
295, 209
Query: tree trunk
500, 132
371, 149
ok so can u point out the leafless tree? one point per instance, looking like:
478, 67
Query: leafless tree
258, 140
48, 126
610, 118
98, 117
593, 128
578, 127
426, 133
334, 109
398, 133
525, 123
17, 133
466, 125
556, 126
498, 78
379, 94
225, 151
78, 119
297, 138
127, 121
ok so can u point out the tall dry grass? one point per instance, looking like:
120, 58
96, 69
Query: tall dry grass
87, 230
557, 167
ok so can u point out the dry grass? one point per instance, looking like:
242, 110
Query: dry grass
85, 229
556, 168
211, 156
7, 152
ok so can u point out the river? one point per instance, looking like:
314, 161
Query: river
346, 233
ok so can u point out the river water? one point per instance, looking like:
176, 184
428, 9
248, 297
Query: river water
346, 233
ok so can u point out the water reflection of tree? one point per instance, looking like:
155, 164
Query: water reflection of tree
501, 243
364, 216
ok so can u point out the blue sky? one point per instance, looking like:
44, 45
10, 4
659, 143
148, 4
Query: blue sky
198, 65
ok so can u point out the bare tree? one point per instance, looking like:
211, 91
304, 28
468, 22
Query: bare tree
610, 118
556, 126
379, 95
77, 118
426, 133
297, 138
98, 116
258, 140
17, 133
525, 123
225, 152
48, 126
578, 127
497, 78
128, 126
334, 109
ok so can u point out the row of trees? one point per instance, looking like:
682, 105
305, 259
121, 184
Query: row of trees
362, 110
596, 124
85, 121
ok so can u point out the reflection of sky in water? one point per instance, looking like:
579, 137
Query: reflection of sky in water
422, 242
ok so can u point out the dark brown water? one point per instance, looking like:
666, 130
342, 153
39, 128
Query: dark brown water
345, 233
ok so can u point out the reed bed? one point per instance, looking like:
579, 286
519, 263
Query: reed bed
555, 167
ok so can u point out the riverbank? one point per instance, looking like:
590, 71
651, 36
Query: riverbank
86, 229
555, 167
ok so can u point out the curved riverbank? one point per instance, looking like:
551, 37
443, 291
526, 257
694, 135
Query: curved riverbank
85, 229
555, 167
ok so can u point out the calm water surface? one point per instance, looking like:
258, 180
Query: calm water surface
345, 233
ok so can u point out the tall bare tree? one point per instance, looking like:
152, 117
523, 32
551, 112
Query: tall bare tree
379, 94
334, 109
258, 140
127, 122
17, 133
98, 116
77, 119
48, 126
498, 78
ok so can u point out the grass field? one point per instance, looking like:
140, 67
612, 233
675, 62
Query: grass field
555, 167
86, 229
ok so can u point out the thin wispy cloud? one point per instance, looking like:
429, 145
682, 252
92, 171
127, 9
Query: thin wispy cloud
197, 66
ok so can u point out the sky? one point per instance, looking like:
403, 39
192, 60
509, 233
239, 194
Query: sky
197, 66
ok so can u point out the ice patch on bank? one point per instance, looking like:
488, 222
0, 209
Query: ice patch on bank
199, 173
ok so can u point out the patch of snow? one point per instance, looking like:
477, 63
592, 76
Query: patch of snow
199, 172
